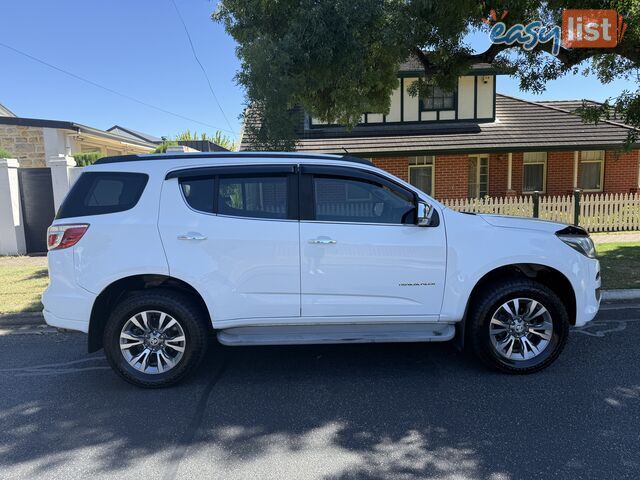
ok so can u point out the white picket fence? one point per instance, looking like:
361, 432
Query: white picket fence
598, 212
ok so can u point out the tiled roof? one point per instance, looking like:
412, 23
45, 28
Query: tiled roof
519, 125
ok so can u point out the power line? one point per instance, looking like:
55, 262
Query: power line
195, 55
110, 90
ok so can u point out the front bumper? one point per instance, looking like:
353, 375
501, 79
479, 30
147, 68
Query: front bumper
588, 303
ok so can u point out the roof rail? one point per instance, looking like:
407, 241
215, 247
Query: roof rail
165, 156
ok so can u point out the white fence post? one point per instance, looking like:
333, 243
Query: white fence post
12, 240
60, 177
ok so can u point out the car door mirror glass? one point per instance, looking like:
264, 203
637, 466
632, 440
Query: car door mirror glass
424, 214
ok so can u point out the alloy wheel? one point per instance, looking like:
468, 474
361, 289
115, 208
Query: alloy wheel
521, 329
152, 342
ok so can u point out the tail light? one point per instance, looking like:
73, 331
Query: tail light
64, 236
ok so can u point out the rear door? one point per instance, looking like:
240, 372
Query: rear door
362, 253
232, 233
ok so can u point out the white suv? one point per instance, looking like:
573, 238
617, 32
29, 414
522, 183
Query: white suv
151, 254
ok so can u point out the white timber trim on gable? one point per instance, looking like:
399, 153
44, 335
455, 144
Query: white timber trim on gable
474, 100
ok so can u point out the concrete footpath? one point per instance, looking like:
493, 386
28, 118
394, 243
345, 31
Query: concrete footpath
616, 237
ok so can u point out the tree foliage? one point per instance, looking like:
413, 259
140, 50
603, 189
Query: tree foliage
337, 59
218, 138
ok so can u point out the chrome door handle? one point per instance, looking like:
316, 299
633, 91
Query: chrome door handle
191, 236
322, 241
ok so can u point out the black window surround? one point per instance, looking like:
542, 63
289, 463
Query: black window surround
307, 194
239, 171
300, 195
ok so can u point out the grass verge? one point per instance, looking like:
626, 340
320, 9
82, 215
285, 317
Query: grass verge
620, 264
22, 281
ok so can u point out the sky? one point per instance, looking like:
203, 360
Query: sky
139, 49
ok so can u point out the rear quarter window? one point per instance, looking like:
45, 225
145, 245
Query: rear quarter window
98, 193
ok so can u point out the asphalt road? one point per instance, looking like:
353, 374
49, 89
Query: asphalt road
347, 412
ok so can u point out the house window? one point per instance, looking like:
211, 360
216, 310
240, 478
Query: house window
591, 170
534, 172
421, 173
437, 99
478, 176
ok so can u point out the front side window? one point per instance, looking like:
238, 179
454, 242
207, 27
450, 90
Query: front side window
534, 172
478, 176
591, 170
258, 197
339, 199
421, 173
437, 99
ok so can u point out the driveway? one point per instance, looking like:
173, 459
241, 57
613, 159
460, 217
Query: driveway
397, 411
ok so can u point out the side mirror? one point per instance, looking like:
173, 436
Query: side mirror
424, 214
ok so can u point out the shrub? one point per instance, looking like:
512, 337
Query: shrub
87, 158
5, 154
162, 148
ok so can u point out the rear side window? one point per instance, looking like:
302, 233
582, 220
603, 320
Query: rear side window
98, 193
258, 197
199, 192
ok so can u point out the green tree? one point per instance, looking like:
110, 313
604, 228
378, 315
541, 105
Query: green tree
337, 59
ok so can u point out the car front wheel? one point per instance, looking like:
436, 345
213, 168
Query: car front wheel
518, 326
155, 338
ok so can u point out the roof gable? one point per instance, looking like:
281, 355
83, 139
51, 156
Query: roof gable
5, 112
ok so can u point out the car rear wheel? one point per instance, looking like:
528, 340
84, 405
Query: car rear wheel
518, 326
155, 338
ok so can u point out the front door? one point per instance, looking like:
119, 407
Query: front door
232, 233
362, 253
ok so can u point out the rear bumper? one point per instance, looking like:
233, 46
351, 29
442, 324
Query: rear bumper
66, 304
69, 324
67, 308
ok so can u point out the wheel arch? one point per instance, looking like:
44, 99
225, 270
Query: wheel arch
115, 291
548, 276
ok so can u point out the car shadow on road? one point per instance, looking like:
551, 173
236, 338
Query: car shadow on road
350, 411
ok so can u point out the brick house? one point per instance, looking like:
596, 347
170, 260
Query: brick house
474, 142
34, 141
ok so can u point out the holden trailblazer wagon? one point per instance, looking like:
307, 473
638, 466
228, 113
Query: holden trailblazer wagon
155, 255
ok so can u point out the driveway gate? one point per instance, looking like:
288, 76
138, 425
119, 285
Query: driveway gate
36, 199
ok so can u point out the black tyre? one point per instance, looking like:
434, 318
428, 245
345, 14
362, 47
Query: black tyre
517, 326
155, 338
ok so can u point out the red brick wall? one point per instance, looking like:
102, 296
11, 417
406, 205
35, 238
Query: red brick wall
517, 172
498, 168
398, 166
452, 176
451, 173
559, 173
620, 172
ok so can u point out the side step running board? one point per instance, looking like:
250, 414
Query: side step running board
319, 334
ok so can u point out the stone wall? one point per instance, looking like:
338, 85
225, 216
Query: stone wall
24, 143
